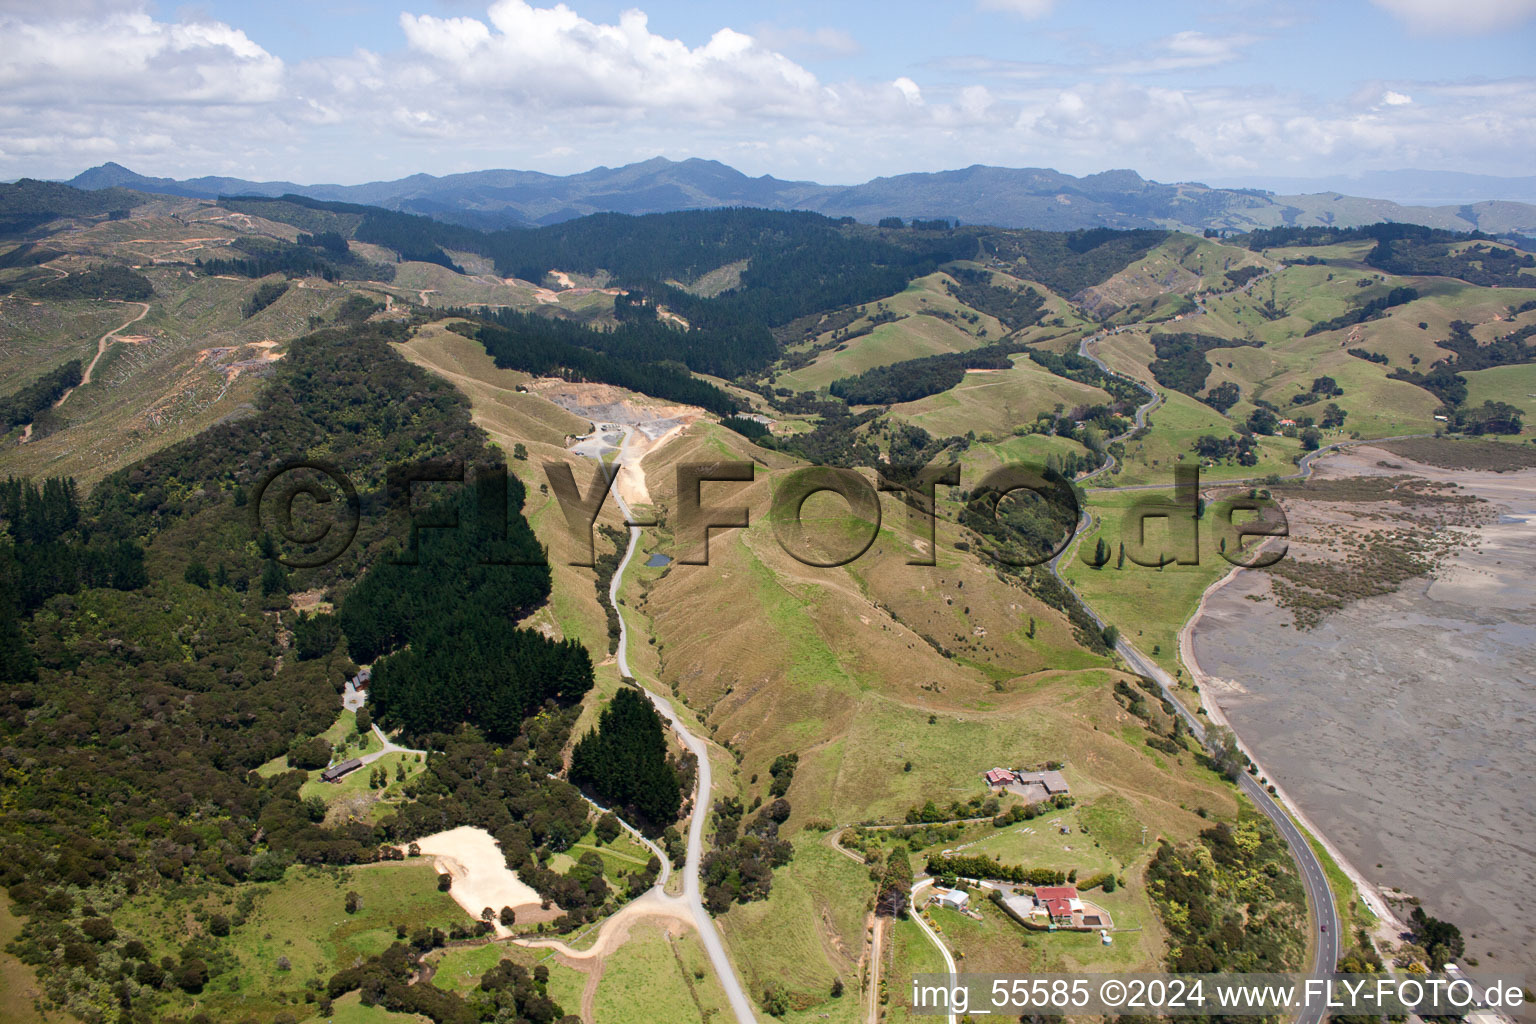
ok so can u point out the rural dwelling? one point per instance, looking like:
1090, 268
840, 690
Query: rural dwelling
1038, 787
998, 777
336, 771
954, 899
1059, 902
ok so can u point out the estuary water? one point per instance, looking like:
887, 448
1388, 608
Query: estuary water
1405, 725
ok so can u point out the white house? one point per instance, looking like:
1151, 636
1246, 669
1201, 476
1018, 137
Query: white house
954, 899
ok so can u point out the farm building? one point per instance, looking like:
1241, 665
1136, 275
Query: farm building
335, 772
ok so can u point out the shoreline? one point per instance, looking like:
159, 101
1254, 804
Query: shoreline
1369, 893
1472, 585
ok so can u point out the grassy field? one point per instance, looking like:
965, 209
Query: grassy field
996, 401
916, 333
911, 952
342, 736
808, 933
1176, 425
1149, 605
658, 976
349, 1009
19, 990
1181, 265
1513, 384
623, 856
460, 969
300, 919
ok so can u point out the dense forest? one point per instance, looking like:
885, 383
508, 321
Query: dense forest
1492, 266
1181, 363
558, 348
108, 281
134, 718
800, 263
28, 254
441, 621
266, 256
48, 547
1231, 901
1066, 262
624, 760
264, 295
21, 407
1386, 231
912, 379
1015, 308
29, 203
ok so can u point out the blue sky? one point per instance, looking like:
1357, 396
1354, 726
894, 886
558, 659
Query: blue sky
835, 91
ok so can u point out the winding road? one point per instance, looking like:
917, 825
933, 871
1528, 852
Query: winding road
917, 915
1323, 913
102, 344
691, 897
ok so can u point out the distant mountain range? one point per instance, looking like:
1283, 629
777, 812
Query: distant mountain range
1029, 197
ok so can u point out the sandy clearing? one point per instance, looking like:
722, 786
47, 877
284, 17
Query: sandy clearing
480, 874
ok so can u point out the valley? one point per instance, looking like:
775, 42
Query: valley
822, 729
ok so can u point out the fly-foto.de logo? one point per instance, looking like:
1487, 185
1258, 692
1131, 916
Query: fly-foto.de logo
1019, 514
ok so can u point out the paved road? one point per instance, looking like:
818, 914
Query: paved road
740, 1004
1324, 917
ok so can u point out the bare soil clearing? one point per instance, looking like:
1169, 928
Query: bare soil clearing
480, 874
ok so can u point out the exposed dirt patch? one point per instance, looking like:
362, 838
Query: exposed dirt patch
480, 874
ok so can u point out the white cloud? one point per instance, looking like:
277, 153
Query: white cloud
909, 91
1465, 17
128, 58
1184, 51
523, 86
552, 57
1030, 9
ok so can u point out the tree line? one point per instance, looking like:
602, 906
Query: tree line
558, 348
23, 406
108, 281
624, 760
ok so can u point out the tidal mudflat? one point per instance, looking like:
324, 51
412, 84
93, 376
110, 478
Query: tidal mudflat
1404, 725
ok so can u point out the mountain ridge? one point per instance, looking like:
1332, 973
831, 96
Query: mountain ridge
1027, 197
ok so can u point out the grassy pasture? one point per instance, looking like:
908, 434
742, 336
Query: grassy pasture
1149, 605
300, 918
1513, 384
658, 976
916, 334
996, 401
